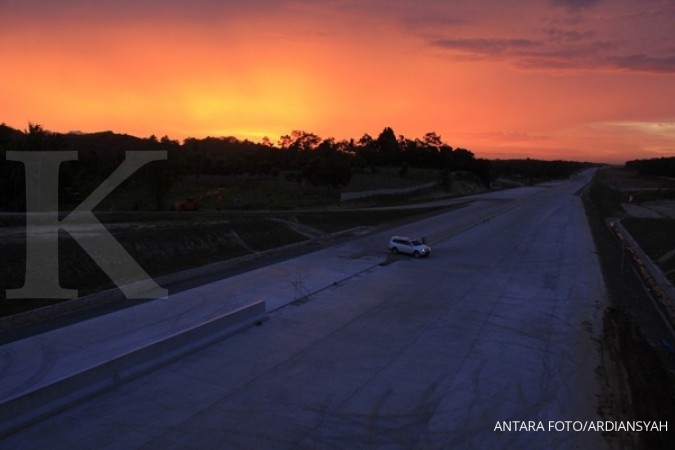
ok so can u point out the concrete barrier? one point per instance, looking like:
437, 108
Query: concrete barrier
85, 382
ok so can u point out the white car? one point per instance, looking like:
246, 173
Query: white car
410, 246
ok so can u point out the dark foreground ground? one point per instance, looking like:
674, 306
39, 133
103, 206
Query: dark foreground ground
638, 358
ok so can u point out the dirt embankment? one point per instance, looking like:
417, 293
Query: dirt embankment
159, 247
168, 242
638, 370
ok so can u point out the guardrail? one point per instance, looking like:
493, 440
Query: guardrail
655, 282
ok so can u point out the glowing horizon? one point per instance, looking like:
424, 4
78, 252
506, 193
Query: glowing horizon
558, 79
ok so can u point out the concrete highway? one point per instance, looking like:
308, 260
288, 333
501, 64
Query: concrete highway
368, 350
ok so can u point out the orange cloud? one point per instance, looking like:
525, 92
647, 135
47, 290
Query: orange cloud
500, 78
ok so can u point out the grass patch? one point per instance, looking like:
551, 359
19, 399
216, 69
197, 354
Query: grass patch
259, 192
390, 178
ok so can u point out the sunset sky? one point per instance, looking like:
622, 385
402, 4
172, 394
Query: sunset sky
586, 80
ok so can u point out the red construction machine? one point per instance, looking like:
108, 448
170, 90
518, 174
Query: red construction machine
192, 204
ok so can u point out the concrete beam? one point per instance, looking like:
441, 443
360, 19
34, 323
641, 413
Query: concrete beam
85, 382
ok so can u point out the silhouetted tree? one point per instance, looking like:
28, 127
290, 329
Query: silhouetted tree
303, 155
387, 147
11, 173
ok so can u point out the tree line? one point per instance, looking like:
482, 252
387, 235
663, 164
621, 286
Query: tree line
664, 167
300, 156
532, 170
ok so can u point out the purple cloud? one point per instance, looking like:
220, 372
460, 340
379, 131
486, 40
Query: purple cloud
575, 4
557, 50
643, 63
485, 47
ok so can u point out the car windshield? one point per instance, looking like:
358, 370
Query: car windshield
416, 242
